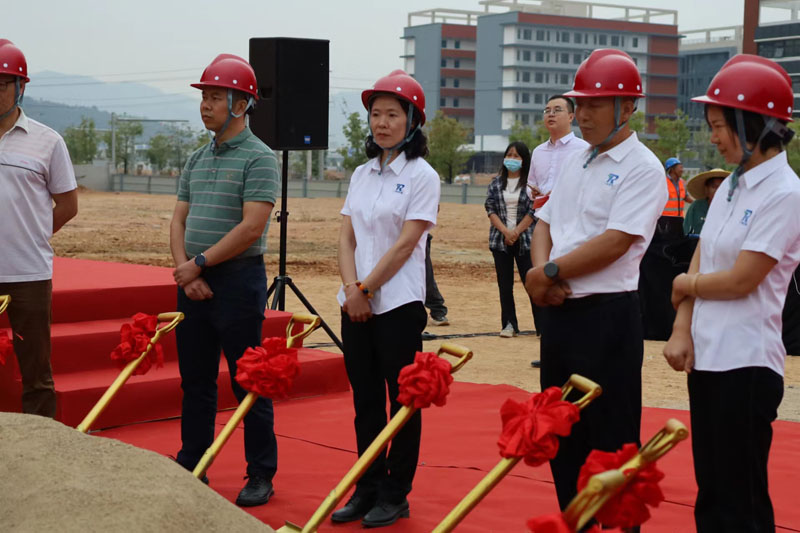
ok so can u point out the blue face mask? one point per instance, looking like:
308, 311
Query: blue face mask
512, 164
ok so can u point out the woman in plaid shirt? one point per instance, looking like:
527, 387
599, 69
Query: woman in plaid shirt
510, 212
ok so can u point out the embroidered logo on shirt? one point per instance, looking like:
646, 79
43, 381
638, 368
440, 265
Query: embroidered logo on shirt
611, 179
746, 217
399, 187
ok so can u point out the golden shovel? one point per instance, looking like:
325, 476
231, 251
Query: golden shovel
602, 487
591, 391
312, 322
174, 318
371, 453
5, 299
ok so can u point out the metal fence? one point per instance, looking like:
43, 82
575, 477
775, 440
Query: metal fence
457, 194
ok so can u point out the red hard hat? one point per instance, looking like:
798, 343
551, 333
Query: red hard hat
752, 83
12, 60
401, 85
230, 72
607, 72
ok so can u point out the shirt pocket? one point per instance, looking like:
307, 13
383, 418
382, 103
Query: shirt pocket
597, 200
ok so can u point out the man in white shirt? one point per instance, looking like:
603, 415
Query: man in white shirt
587, 246
547, 158
35, 174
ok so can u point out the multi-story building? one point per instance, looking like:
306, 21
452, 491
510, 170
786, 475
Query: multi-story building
702, 53
779, 39
440, 54
523, 51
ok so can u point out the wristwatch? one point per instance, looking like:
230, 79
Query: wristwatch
200, 260
551, 270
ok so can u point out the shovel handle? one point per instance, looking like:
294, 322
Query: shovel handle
127, 372
589, 388
312, 322
5, 299
463, 353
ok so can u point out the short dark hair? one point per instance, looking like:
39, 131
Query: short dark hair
525, 154
753, 126
237, 96
570, 103
416, 147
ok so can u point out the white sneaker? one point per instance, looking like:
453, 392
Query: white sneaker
508, 332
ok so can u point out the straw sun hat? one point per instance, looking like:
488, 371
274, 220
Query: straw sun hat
696, 185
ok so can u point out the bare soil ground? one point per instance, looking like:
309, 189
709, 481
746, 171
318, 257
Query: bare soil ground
134, 228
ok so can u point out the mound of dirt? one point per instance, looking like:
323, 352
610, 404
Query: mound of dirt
53, 478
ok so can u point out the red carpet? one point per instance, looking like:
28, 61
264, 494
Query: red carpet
458, 447
91, 300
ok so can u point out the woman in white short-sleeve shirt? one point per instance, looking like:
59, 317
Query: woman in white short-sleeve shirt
727, 333
391, 204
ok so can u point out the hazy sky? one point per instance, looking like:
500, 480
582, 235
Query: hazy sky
167, 43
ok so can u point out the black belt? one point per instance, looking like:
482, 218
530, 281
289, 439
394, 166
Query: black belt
236, 263
594, 299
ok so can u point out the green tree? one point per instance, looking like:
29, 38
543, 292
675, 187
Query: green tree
126, 133
82, 141
530, 136
161, 148
793, 148
446, 137
637, 122
673, 135
355, 131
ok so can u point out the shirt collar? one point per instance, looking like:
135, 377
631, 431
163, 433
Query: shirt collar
619, 152
757, 174
22, 122
397, 165
565, 139
236, 141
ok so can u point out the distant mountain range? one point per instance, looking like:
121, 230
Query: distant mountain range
62, 100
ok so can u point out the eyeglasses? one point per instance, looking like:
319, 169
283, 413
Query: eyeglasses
553, 111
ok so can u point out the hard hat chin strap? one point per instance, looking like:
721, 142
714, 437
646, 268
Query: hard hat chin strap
772, 125
17, 99
617, 126
231, 114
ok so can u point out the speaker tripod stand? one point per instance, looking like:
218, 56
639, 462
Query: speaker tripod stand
282, 281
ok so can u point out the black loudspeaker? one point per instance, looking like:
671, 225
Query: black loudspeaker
292, 110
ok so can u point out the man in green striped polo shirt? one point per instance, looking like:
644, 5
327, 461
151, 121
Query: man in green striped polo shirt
218, 238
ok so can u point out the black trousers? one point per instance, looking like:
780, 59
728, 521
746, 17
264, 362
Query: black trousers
598, 337
433, 298
504, 268
374, 353
731, 415
230, 321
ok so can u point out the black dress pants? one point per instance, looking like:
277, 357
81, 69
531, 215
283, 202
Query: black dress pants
374, 353
600, 338
732, 414
230, 321
504, 268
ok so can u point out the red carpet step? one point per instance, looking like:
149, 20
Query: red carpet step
91, 300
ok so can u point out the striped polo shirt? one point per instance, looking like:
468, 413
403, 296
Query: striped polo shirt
217, 182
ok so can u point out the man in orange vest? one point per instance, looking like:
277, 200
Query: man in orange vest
677, 189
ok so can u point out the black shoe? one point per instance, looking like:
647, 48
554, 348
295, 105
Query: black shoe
385, 514
536, 364
257, 492
356, 507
